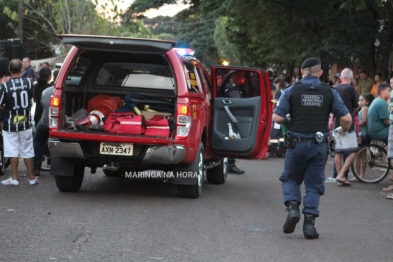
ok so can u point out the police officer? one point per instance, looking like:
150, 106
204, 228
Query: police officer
308, 103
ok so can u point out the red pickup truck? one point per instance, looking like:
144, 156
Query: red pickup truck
207, 117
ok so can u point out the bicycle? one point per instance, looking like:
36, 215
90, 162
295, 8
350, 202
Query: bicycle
371, 164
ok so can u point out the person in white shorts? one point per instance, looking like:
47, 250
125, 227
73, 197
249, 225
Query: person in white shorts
15, 97
346, 142
349, 144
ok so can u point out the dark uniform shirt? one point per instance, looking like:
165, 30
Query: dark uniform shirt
283, 107
16, 94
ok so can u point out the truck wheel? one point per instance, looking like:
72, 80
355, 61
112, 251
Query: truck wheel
194, 191
71, 183
218, 175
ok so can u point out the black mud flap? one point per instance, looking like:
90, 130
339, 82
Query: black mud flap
62, 166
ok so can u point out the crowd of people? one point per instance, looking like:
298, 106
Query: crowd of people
369, 105
358, 94
19, 86
351, 111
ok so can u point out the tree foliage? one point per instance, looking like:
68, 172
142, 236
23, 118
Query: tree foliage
190, 28
258, 33
8, 22
44, 19
284, 32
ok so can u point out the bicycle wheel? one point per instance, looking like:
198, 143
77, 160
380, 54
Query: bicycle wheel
371, 164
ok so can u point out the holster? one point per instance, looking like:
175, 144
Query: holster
291, 141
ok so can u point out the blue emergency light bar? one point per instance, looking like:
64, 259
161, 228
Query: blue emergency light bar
184, 51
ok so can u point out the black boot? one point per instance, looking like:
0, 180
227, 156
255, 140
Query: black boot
232, 168
309, 229
292, 218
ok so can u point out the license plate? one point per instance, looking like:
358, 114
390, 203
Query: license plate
116, 149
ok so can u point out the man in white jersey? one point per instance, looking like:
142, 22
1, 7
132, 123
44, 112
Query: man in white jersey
15, 97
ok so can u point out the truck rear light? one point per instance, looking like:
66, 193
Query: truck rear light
55, 101
183, 121
54, 112
53, 122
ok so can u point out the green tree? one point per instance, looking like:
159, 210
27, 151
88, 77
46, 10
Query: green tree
135, 29
8, 24
190, 27
285, 32
44, 19
162, 25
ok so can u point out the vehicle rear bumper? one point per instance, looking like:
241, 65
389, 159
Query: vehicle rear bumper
160, 154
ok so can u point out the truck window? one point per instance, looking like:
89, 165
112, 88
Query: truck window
205, 83
77, 70
141, 75
191, 77
237, 84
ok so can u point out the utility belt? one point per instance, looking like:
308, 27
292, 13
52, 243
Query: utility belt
318, 138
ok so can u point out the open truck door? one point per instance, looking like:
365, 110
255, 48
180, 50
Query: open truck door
242, 112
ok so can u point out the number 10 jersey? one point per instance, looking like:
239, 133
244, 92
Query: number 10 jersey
16, 95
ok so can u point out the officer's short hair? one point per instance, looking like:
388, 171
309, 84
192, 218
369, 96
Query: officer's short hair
382, 87
312, 70
311, 65
15, 66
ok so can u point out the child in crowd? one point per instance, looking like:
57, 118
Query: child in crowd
364, 101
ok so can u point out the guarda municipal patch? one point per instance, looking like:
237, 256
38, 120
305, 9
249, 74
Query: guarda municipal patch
312, 100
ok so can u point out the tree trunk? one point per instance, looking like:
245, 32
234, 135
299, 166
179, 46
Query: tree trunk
385, 45
20, 21
290, 68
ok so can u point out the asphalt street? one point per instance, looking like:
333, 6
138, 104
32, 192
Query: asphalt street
117, 219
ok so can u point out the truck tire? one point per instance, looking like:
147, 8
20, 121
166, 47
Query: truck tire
71, 183
218, 175
194, 191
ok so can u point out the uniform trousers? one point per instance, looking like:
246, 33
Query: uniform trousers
306, 162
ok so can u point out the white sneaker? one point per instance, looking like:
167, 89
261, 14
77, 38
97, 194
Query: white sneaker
330, 179
34, 181
10, 182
